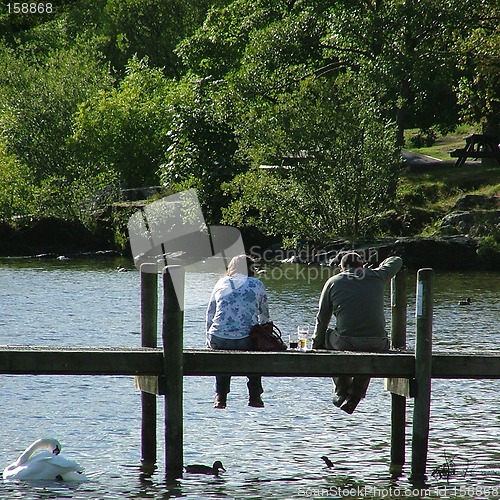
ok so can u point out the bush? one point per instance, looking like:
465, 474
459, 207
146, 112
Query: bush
424, 138
16, 188
419, 194
489, 252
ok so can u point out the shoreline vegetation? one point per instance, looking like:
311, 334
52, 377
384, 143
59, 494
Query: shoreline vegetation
445, 218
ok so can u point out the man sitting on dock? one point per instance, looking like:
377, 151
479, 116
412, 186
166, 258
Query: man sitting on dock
355, 297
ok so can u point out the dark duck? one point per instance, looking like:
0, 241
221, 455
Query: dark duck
205, 469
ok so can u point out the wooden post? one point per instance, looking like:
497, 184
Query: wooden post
149, 335
398, 309
423, 361
172, 336
398, 341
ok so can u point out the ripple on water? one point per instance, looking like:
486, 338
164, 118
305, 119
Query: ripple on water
270, 453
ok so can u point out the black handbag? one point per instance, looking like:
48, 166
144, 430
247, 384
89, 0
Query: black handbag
267, 337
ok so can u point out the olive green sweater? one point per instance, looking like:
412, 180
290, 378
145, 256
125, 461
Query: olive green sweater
356, 298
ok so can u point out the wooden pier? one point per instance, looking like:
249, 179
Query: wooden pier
46, 360
161, 370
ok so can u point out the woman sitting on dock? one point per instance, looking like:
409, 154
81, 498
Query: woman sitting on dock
238, 302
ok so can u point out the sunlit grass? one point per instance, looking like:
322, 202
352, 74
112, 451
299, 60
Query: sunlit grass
439, 187
434, 190
444, 143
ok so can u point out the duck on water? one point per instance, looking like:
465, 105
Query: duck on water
205, 469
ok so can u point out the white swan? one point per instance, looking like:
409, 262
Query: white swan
42, 461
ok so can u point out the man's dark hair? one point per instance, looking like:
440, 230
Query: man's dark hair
351, 260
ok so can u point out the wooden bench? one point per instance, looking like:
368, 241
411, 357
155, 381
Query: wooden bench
477, 146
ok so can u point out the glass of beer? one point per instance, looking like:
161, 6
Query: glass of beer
293, 341
303, 335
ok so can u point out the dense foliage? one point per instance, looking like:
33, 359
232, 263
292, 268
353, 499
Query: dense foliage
99, 95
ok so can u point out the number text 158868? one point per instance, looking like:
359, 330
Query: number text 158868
29, 8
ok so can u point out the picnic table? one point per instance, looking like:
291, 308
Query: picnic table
477, 146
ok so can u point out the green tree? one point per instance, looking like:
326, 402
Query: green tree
218, 45
479, 86
341, 172
17, 27
283, 98
124, 130
203, 146
276, 204
404, 46
150, 28
16, 187
39, 99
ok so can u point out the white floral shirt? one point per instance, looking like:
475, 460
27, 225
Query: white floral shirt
237, 303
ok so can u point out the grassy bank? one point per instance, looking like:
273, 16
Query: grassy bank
434, 189
442, 144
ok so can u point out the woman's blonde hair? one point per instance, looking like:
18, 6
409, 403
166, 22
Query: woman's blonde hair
241, 264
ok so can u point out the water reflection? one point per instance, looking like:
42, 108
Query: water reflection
274, 452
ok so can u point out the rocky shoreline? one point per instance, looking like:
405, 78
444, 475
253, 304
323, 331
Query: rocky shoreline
446, 253
51, 238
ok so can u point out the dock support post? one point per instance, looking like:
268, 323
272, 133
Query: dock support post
149, 335
423, 361
398, 341
172, 337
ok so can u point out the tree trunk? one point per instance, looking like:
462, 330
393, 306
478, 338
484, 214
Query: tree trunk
491, 127
404, 93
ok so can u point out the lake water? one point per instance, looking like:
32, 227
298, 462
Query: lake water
268, 453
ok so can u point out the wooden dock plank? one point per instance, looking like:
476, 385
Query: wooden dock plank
308, 364
203, 362
38, 360
459, 365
